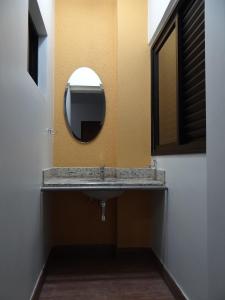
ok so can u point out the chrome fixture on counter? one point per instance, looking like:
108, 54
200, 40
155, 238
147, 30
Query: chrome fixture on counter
154, 167
102, 172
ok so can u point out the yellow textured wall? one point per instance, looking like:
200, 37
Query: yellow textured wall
85, 36
133, 120
76, 220
109, 36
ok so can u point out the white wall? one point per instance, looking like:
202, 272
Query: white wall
180, 238
199, 194
215, 93
25, 149
156, 9
46, 60
180, 223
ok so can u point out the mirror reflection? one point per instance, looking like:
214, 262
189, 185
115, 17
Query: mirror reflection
84, 104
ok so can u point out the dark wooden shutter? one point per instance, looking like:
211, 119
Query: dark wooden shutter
192, 70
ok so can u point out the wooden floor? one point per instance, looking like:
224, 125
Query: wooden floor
103, 277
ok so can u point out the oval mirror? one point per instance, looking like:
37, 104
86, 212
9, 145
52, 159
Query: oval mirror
84, 104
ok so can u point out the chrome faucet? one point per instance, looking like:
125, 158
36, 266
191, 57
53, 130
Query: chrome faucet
154, 167
102, 172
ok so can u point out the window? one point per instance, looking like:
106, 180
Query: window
178, 83
36, 58
32, 50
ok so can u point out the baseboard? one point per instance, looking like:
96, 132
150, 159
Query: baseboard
169, 279
96, 250
37, 288
40, 281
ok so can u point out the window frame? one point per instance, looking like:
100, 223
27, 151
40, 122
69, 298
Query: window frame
180, 146
35, 18
33, 45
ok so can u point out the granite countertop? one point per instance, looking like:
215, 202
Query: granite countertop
114, 179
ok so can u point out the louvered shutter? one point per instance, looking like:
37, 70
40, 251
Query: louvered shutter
192, 41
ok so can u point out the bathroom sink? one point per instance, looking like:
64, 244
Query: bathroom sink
102, 179
103, 183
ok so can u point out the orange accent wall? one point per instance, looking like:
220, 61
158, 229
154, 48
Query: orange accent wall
109, 36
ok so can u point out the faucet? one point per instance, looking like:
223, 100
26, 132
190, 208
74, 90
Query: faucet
102, 172
154, 167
